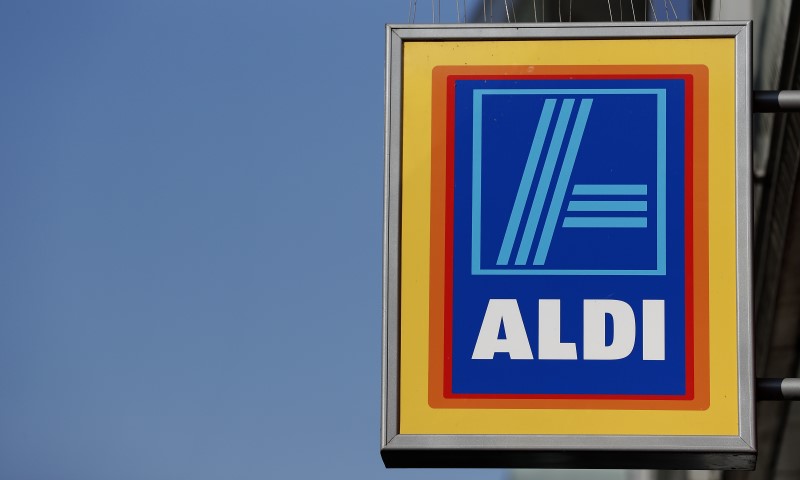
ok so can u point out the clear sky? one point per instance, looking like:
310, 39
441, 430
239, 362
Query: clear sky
190, 245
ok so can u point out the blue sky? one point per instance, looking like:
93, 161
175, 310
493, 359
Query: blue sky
190, 257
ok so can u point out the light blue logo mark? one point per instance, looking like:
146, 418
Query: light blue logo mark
598, 206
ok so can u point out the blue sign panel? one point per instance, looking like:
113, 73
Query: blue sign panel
564, 283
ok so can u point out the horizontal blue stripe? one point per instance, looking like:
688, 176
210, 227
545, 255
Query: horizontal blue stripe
605, 222
552, 272
600, 189
607, 206
569, 91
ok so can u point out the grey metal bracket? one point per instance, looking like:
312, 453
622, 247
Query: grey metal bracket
776, 101
778, 389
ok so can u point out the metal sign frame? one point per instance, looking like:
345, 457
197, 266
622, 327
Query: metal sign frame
478, 449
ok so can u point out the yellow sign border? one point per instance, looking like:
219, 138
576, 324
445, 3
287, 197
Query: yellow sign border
419, 60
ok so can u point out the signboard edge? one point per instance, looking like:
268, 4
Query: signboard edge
405, 450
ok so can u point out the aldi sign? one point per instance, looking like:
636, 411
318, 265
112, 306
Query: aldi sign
552, 204
574, 242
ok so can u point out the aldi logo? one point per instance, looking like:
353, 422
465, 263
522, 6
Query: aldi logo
565, 240
555, 203
586, 140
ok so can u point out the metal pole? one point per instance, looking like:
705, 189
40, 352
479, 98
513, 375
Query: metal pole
776, 101
778, 389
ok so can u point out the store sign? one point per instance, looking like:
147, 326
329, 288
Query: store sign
551, 209
560, 210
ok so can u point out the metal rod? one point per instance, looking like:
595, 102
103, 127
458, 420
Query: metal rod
776, 101
778, 389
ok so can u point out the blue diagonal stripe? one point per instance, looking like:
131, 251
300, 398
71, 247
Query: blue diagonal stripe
607, 206
527, 180
563, 180
544, 182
